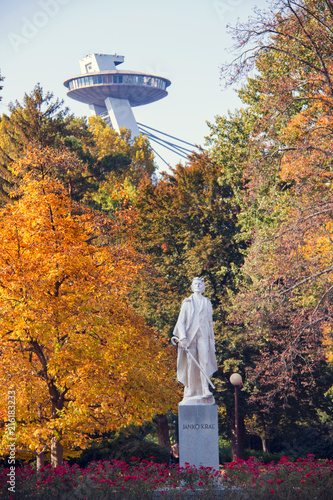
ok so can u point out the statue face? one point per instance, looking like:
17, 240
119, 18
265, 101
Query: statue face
198, 285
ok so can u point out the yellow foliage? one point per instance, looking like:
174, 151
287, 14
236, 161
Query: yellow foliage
309, 143
328, 341
317, 247
108, 142
76, 355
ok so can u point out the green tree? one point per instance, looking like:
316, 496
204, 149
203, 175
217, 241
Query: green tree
120, 164
283, 302
39, 121
104, 158
187, 223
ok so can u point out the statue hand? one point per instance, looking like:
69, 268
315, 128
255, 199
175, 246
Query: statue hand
183, 343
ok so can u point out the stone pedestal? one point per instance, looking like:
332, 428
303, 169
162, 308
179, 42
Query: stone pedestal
197, 400
198, 436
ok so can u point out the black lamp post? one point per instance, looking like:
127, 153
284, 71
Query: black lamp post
236, 380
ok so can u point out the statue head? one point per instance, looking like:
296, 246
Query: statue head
198, 285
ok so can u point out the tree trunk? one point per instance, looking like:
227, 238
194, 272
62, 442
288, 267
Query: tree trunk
264, 445
163, 431
40, 460
57, 452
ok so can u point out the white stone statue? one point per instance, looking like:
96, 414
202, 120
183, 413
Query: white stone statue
194, 330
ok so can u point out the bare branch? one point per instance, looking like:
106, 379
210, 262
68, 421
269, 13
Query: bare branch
306, 280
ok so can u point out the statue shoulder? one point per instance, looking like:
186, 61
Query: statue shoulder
208, 303
188, 299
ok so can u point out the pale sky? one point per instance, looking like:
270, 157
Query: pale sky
185, 41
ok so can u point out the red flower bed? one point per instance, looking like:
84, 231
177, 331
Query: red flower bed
305, 479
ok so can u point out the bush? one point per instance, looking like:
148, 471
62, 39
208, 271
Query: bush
122, 447
224, 451
262, 456
317, 442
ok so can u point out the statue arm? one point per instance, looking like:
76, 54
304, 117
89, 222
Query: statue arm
180, 329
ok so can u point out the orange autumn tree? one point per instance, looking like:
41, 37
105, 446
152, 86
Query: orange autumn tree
72, 349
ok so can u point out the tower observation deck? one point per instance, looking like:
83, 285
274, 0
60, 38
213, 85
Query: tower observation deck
112, 93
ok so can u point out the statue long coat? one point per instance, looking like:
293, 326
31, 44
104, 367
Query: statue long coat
189, 321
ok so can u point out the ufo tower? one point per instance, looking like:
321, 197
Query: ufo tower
112, 93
